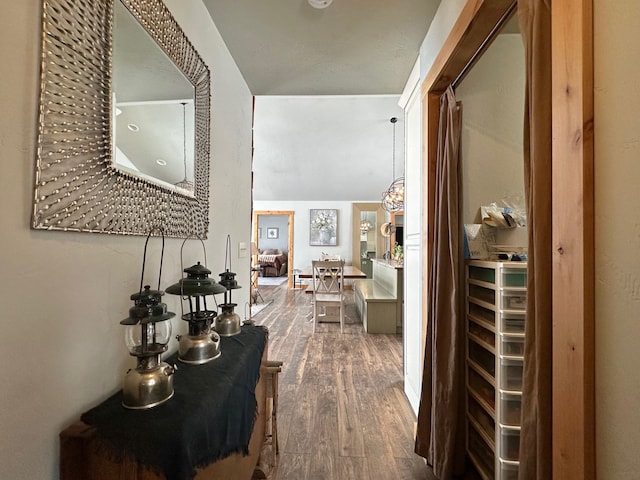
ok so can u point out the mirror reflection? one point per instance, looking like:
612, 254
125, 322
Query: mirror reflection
78, 185
367, 241
368, 234
153, 109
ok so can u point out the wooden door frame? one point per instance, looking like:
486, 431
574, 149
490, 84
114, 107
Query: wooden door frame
573, 255
290, 214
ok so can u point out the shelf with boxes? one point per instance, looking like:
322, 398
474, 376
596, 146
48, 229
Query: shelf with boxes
496, 298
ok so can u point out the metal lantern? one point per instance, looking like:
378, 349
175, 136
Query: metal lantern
202, 344
228, 322
147, 334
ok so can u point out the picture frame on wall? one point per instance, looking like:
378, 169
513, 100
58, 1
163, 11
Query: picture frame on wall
323, 227
272, 232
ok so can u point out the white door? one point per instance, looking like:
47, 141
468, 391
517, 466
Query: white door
412, 313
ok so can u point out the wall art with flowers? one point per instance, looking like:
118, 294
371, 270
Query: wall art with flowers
323, 227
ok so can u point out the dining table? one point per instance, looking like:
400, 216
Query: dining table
350, 272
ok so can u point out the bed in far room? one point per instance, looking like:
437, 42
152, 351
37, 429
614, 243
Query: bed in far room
273, 262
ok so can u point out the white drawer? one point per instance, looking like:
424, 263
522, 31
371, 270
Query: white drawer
512, 345
508, 471
510, 408
511, 374
510, 445
514, 300
513, 322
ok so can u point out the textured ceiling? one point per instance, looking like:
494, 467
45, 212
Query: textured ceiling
352, 47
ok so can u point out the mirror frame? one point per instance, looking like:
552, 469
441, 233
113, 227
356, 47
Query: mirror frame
76, 186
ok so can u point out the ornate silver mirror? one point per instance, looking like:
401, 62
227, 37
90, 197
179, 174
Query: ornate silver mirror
123, 144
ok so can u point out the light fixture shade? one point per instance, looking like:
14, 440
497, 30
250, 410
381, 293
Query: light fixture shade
185, 185
393, 197
365, 226
320, 3
254, 249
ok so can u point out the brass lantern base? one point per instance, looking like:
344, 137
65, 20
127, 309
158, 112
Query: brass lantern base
146, 388
228, 322
198, 349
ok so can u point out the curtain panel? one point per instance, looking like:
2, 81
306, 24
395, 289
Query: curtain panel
440, 425
535, 435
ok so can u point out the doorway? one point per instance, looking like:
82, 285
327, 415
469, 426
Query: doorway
572, 369
271, 234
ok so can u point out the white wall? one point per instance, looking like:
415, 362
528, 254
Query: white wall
63, 294
325, 147
439, 29
281, 222
617, 173
492, 96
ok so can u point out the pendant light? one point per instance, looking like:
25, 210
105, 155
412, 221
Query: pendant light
365, 226
320, 4
184, 183
393, 197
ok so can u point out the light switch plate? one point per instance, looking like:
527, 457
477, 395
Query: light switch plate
243, 249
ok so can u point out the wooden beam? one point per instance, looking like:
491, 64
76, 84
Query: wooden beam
573, 240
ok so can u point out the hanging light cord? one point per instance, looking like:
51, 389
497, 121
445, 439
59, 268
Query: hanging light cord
184, 138
393, 152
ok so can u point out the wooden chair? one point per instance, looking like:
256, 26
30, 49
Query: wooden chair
328, 289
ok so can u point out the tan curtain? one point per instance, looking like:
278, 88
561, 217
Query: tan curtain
535, 436
440, 432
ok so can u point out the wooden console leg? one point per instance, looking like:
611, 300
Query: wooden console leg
270, 449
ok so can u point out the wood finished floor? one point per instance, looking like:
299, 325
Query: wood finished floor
342, 411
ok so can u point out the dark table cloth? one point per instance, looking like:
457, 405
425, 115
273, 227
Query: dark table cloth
210, 416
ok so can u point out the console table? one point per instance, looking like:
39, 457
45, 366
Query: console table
212, 428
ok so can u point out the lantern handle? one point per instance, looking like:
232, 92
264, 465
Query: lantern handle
182, 263
228, 253
144, 256
182, 247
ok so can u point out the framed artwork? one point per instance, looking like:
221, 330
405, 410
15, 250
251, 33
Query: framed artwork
323, 227
272, 232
